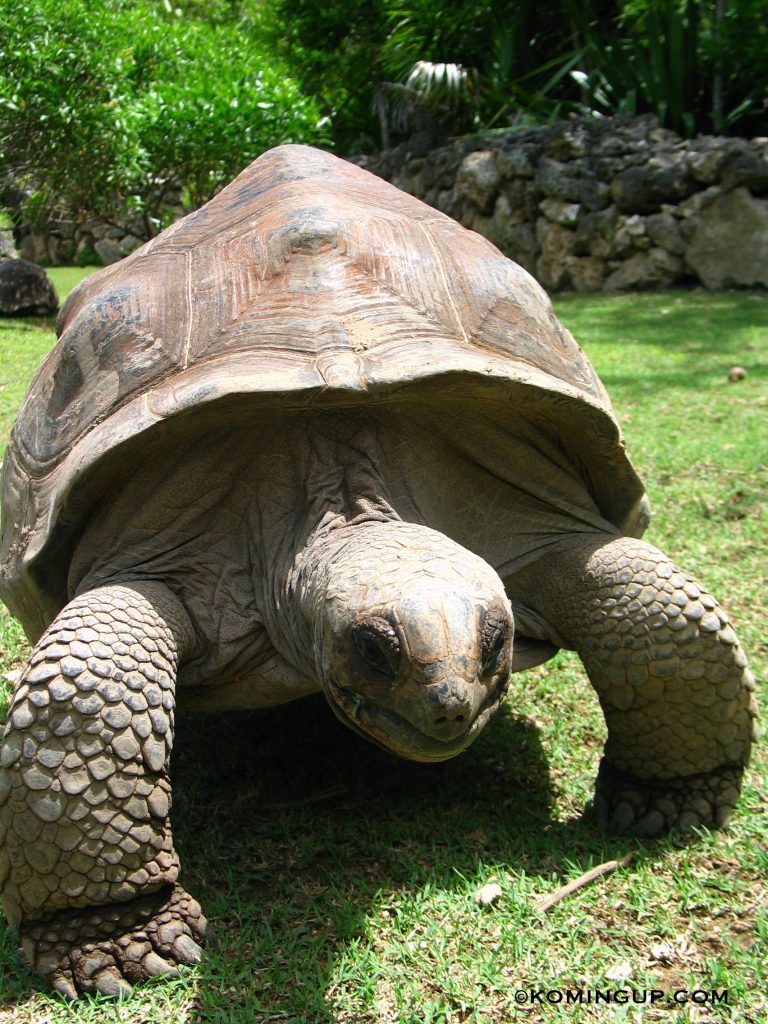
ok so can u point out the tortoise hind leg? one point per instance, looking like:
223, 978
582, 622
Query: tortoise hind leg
672, 680
87, 869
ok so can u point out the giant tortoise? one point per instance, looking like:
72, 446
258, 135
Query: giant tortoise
318, 436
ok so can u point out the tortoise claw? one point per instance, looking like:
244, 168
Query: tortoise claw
186, 950
110, 982
156, 966
63, 983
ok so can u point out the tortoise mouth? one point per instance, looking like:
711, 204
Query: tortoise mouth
397, 735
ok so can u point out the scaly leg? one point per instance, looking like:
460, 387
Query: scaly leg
672, 680
87, 865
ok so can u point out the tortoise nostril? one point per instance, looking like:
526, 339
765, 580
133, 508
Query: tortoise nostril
443, 719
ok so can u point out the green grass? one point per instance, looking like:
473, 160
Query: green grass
341, 882
24, 343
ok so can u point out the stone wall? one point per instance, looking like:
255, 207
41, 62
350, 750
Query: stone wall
585, 204
65, 241
72, 239
603, 204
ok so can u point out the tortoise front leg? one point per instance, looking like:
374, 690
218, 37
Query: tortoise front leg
87, 865
672, 680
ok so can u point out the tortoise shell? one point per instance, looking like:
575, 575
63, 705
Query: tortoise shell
306, 283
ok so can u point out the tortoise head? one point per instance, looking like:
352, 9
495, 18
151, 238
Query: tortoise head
413, 640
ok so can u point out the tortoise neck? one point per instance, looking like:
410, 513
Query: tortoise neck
340, 496
338, 458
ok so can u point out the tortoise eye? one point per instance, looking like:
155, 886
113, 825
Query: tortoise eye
378, 646
494, 637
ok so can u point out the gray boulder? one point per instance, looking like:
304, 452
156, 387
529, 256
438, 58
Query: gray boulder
729, 245
116, 246
25, 289
7, 244
653, 268
478, 179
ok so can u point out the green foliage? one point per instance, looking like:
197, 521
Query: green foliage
674, 58
357, 58
335, 50
670, 57
102, 104
216, 106
62, 107
500, 44
422, 30
432, 96
652, 67
736, 48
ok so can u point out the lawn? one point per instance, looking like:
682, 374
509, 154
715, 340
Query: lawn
342, 882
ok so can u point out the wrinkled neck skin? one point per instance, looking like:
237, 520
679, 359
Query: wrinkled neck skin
409, 634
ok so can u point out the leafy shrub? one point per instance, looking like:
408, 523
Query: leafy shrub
335, 50
101, 105
216, 107
64, 122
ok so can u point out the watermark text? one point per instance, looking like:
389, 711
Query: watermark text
593, 996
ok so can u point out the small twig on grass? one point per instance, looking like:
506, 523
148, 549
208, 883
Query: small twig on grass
589, 876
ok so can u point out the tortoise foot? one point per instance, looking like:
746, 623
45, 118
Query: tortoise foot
109, 949
647, 807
